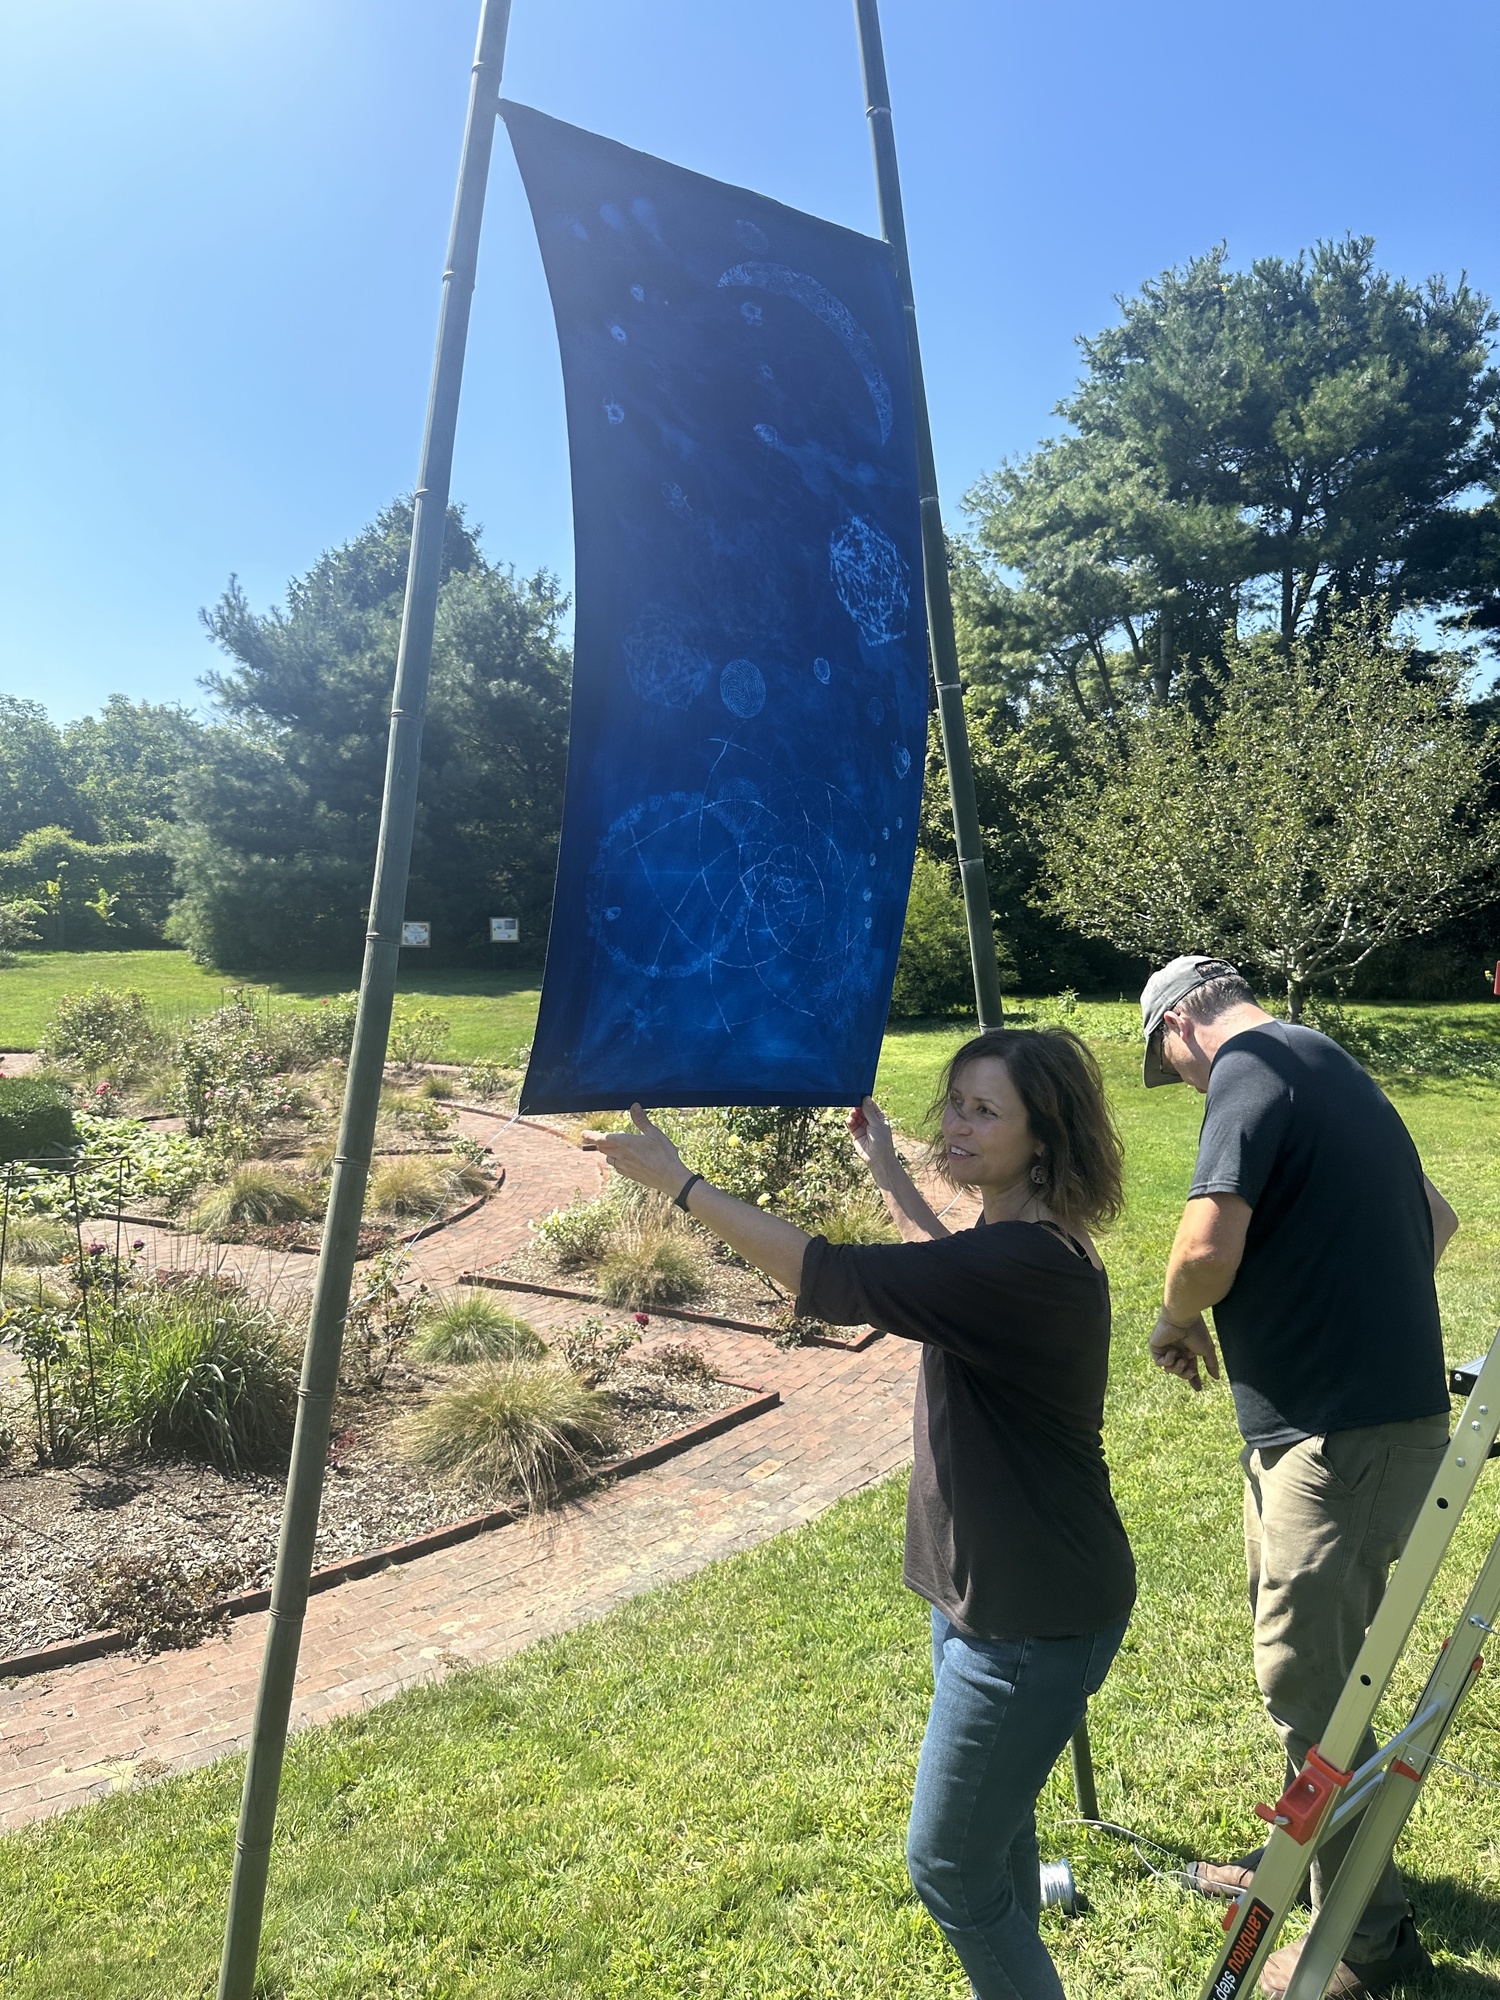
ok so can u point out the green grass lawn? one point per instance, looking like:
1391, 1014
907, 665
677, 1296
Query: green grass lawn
492, 1013
706, 1793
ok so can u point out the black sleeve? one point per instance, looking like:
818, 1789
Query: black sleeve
1249, 1105
965, 1293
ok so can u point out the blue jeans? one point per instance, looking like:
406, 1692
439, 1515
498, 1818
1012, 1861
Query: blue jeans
1002, 1712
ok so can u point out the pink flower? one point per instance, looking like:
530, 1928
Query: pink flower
643, 1319
139, 1243
96, 1249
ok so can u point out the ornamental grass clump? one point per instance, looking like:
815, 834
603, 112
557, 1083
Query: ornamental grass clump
256, 1194
201, 1370
25, 1287
474, 1328
859, 1219
38, 1240
407, 1187
650, 1267
467, 1177
511, 1426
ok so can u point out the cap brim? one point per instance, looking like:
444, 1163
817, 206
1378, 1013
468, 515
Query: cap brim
1154, 1071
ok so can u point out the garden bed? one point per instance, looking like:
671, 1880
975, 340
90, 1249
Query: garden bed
808, 1333
305, 1237
58, 1525
733, 1296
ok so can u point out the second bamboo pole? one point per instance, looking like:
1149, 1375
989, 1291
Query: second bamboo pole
941, 636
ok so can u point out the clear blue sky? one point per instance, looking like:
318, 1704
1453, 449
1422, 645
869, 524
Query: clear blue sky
224, 221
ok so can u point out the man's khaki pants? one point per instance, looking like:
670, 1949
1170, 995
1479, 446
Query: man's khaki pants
1324, 1521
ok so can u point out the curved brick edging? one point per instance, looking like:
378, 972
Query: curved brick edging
459, 1214
866, 1339
94, 1645
171, 1228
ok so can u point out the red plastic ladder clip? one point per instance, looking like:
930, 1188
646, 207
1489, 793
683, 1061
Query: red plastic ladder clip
1301, 1807
1401, 1769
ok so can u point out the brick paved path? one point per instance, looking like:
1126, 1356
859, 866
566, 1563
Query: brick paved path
844, 1422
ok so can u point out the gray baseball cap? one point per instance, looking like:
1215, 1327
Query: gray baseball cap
1168, 988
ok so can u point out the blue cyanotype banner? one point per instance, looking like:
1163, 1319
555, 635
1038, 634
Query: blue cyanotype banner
750, 687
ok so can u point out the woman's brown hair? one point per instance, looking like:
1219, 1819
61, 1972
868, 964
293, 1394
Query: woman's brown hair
1058, 1081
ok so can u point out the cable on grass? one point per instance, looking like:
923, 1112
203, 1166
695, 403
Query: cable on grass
1139, 1841
1475, 1777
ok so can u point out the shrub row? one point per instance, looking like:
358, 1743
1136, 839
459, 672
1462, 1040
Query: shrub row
36, 1118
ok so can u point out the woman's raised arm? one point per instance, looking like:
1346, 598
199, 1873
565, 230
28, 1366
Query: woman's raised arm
647, 1155
907, 1206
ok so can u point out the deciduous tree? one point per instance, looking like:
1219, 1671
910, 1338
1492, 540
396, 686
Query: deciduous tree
1331, 801
126, 762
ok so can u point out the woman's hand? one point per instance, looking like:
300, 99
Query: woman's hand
870, 1130
646, 1155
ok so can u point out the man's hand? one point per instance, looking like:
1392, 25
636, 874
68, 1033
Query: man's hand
1444, 1220
1178, 1349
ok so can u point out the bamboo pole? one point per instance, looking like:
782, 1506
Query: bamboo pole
351, 1165
941, 637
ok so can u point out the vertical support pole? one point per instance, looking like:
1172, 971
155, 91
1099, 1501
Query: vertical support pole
1083, 1773
377, 990
940, 631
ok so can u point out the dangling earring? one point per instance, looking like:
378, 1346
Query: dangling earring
1038, 1175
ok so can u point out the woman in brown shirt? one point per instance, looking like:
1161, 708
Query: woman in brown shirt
1012, 1534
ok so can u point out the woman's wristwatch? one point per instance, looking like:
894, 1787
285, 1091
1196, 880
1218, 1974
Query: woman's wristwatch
680, 1200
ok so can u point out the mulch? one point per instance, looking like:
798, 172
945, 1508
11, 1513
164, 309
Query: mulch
57, 1525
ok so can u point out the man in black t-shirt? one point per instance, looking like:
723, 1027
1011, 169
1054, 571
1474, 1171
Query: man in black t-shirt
1312, 1231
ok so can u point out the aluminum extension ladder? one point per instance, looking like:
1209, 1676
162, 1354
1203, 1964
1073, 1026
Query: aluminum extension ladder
1326, 1793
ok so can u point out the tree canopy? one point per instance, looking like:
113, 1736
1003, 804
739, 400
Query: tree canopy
36, 786
1332, 801
276, 842
125, 764
1250, 447
82, 813
110, 777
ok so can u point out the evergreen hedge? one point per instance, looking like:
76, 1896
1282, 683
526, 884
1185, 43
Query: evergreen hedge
36, 1118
